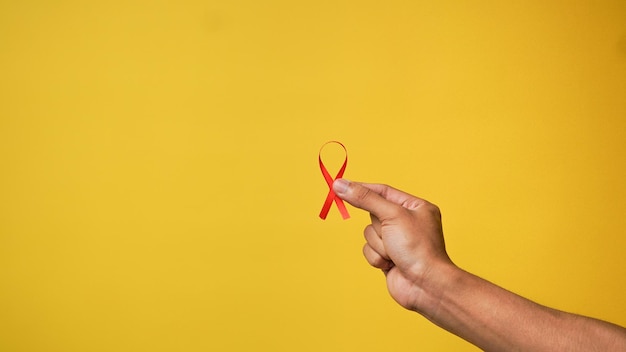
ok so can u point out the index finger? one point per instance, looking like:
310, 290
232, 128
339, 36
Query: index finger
394, 195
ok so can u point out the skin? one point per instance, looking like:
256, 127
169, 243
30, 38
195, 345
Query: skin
405, 240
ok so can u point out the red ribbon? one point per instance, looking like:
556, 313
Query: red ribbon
329, 180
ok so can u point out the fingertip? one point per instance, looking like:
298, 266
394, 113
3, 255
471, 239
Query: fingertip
341, 185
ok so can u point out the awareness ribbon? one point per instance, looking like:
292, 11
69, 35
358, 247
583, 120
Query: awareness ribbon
329, 180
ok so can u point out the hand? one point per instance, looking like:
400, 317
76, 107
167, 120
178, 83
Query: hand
404, 240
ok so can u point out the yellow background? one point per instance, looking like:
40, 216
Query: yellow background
159, 186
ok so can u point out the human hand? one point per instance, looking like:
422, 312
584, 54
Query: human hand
404, 240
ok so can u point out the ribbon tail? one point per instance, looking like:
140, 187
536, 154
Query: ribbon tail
327, 203
342, 208
340, 205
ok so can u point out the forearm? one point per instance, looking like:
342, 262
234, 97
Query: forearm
495, 319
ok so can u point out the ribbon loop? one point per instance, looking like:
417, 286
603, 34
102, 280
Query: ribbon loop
329, 181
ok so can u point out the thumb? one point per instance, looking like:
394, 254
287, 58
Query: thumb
364, 198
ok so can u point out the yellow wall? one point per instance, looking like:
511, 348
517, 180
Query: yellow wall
159, 186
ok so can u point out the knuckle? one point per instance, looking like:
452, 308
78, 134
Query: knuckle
433, 210
367, 253
373, 258
380, 263
363, 194
436, 210
366, 232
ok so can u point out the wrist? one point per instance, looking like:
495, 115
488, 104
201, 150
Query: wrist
435, 282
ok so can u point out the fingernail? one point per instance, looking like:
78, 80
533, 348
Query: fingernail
341, 185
